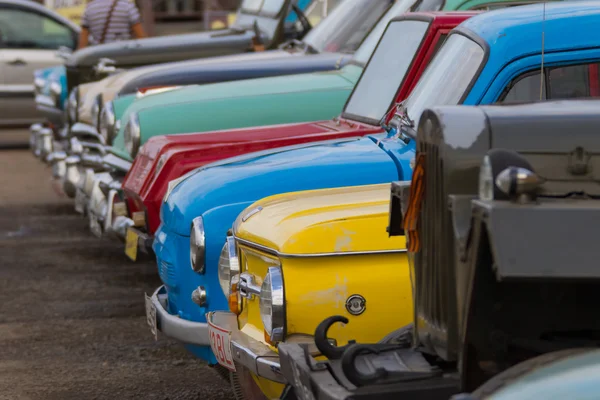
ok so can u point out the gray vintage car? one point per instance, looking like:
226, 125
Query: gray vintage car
257, 20
30, 37
499, 220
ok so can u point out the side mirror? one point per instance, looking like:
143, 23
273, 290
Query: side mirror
105, 66
64, 52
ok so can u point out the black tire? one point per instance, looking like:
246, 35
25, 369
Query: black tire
518, 371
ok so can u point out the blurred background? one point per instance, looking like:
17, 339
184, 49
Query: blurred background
164, 17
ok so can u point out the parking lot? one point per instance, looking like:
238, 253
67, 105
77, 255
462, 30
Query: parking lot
72, 320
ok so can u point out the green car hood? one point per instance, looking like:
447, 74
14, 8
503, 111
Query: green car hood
240, 104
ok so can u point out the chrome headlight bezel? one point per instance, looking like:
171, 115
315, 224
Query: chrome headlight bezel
197, 245
55, 92
132, 135
73, 105
96, 111
272, 304
107, 123
38, 85
229, 265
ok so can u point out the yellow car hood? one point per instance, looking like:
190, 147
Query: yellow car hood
340, 220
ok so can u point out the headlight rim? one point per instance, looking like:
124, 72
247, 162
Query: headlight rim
233, 265
97, 111
132, 135
107, 115
277, 329
73, 105
197, 241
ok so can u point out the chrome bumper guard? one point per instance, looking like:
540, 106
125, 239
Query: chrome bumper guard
246, 351
47, 107
182, 330
100, 203
83, 129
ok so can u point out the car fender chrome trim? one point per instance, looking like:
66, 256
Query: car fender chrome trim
177, 328
271, 251
112, 161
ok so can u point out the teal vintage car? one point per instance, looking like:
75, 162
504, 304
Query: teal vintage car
266, 101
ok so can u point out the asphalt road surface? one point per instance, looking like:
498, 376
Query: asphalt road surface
72, 319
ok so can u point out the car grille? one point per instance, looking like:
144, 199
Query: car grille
167, 274
434, 264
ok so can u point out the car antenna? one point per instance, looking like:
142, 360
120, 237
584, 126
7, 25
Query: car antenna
542, 77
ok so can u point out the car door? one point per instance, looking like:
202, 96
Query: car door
28, 41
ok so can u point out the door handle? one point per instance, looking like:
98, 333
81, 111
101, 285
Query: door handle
17, 62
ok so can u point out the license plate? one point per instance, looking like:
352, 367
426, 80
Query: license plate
220, 342
151, 316
79, 202
131, 244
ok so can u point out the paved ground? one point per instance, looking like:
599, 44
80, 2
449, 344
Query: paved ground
72, 323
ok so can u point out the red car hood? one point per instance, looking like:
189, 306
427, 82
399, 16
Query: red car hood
164, 158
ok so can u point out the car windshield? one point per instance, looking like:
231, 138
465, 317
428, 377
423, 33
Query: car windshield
447, 77
347, 25
271, 7
251, 6
319, 9
377, 87
365, 50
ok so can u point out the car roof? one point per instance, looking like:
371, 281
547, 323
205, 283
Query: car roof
43, 10
566, 25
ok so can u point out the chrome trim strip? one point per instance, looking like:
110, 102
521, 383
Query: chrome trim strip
112, 161
178, 328
43, 100
334, 254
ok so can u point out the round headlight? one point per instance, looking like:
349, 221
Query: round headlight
73, 104
271, 304
106, 126
486, 180
38, 84
229, 265
132, 135
197, 245
55, 92
96, 108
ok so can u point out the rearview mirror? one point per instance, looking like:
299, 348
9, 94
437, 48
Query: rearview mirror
64, 52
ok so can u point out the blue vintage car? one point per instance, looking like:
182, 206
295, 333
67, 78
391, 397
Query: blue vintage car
493, 57
50, 92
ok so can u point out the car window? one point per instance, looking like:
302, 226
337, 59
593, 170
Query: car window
384, 73
271, 7
347, 26
568, 82
319, 8
442, 83
252, 6
21, 29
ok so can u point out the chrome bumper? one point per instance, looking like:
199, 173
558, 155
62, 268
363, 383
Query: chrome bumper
246, 351
182, 330
100, 204
41, 141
